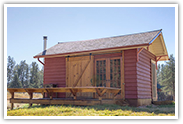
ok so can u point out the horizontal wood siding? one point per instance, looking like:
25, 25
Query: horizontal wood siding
55, 72
130, 73
144, 74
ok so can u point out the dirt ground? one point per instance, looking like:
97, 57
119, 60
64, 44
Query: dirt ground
20, 95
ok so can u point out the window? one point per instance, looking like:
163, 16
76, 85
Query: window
108, 71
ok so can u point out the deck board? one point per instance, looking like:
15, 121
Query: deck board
65, 101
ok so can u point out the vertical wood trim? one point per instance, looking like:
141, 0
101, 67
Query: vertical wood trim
155, 78
107, 69
108, 75
66, 83
122, 76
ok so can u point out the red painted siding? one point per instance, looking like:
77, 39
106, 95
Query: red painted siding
144, 75
55, 72
110, 55
130, 73
137, 74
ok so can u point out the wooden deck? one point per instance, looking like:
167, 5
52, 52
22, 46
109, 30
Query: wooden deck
65, 101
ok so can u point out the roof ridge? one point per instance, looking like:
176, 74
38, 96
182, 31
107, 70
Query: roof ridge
132, 39
136, 33
109, 37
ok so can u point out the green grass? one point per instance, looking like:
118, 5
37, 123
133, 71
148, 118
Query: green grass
97, 110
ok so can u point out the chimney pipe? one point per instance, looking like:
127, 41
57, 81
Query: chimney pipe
45, 42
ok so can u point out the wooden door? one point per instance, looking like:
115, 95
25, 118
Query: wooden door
79, 72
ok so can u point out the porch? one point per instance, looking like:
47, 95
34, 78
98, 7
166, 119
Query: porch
72, 100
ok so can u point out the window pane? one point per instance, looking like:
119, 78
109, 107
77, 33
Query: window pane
104, 76
115, 62
104, 63
100, 76
111, 77
100, 69
118, 61
119, 83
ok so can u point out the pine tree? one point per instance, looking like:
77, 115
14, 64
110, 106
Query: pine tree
10, 68
34, 76
167, 77
15, 82
23, 73
26, 82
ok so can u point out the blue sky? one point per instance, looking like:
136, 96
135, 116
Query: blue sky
27, 25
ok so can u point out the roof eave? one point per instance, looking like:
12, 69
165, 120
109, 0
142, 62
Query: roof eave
91, 51
155, 37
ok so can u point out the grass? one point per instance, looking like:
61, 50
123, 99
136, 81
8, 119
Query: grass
97, 110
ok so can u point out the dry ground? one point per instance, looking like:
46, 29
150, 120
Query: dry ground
21, 95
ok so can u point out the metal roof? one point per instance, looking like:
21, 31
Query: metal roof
101, 43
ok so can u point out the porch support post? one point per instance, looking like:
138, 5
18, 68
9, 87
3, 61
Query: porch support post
30, 97
12, 97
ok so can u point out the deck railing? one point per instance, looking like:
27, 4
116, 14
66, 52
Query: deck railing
73, 90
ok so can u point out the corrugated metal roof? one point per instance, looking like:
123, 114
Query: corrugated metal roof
102, 43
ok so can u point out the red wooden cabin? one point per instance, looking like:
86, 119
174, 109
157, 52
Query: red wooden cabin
128, 62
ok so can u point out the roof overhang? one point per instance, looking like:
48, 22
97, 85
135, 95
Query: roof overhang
158, 48
94, 51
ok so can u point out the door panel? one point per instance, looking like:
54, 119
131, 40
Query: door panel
79, 67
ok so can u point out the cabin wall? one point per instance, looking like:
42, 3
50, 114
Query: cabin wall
144, 81
55, 72
137, 75
138, 82
130, 73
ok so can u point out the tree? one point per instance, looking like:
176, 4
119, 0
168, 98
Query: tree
15, 82
34, 76
26, 82
170, 76
23, 73
10, 68
167, 76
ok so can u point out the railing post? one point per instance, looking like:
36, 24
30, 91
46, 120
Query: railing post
12, 97
30, 97
51, 95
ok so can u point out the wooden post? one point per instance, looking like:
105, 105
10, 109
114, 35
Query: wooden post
122, 76
30, 97
12, 97
108, 83
99, 98
51, 95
